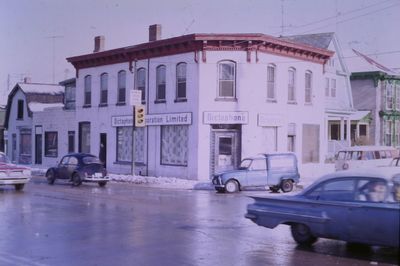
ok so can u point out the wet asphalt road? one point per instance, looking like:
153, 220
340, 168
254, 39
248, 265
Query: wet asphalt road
125, 224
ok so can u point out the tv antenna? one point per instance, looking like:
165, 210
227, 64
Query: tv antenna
54, 37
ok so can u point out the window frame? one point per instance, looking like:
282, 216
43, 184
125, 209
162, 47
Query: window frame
292, 87
121, 90
103, 89
46, 144
333, 88
20, 110
308, 91
220, 80
389, 96
183, 81
138, 85
161, 86
162, 162
87, 91
271, 84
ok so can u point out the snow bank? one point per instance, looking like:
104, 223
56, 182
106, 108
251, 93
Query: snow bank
163, 182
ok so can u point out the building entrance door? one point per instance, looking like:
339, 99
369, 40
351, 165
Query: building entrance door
38, 149
226, 150
103, 148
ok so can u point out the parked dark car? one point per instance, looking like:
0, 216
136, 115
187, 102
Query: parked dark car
78, 168
275, 170
353, 206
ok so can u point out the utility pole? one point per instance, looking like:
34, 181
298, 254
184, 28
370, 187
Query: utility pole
54, 37
282, 17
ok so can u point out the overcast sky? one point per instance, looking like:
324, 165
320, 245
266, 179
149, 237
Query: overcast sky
29, 28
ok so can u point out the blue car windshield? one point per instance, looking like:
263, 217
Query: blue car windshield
90, 160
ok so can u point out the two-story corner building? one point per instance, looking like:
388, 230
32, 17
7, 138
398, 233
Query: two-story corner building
339, 108
24, 100
376, 89
210, 99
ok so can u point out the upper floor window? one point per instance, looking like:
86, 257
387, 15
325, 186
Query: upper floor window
292, 85
333, 87
227, 79
181, 81
389, 96
308, 87
161, 83
69, 97
121, 86
88, 91
327, 87
103, 88
20, 114
141, 82
271, 78
397, 96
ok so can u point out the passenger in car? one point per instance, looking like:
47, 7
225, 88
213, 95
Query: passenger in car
377, 192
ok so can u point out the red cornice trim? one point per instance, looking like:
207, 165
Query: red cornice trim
203, 42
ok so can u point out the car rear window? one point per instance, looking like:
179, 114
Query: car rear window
90, 160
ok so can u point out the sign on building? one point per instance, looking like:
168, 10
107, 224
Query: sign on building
135, 97
225, 118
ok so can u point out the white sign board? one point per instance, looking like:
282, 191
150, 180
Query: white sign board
122, 121
225, 118
270, 120
135, 97
154, 120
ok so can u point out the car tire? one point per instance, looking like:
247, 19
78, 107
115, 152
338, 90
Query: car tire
50, 177
274, 189
102, 184
232, 186
302, 234
19, 187
287, 185
76, 180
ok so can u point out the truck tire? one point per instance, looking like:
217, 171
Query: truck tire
231, 186
287, 185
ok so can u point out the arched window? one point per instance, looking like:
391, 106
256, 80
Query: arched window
161, 83
292, 85
103, 88
141, 82
308, 87
227, 79
122, 87
87, 91
271, 82
181, 81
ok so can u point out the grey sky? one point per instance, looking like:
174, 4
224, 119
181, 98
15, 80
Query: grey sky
26, 49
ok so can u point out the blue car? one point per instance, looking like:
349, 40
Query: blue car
275, 170
355, 206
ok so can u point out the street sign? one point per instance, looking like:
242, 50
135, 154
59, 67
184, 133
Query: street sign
135, 97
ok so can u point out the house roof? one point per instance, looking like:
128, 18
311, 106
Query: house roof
319, 40
359, 62
203, 42
36, 93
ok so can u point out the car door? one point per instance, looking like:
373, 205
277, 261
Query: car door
72, 165
63, 168
374, 220
256, 174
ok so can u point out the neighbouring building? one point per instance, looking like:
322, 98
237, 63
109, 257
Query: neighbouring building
340, 114
376, 91
25, 142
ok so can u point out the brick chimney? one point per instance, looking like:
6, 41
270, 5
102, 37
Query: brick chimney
99, 44
154, 32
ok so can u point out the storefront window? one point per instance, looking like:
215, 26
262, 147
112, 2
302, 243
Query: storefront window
25, 148
50, 144
124, 144
174, 145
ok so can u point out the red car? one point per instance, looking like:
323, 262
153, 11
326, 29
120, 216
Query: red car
11, 174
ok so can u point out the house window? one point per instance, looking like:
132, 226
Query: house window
70, 98
291, 141
308, 87
292, 85
174, 145
124, 144
388, 133
20, 114
88, 91
389, 96
121, 87
25, 148
333, 87
181, 81
84, 137
50, 144
161, 83
103, 89
397, 96
311, 143
141, 82
327, 87
226, 79
71, 141
397, 128
271, 93
139, 145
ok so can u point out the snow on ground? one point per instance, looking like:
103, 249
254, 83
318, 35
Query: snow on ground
307, 176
